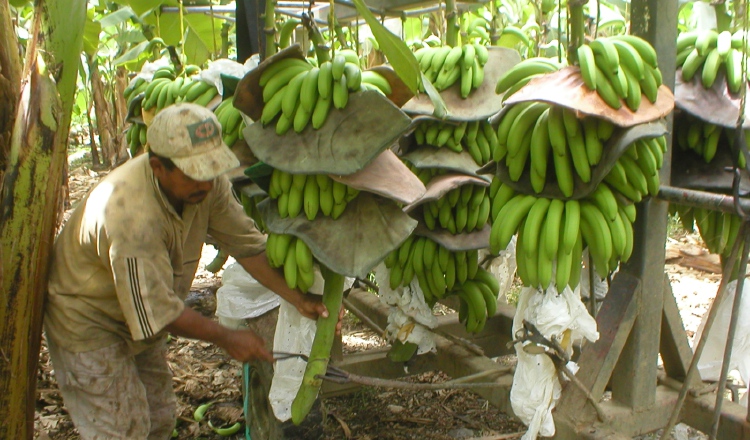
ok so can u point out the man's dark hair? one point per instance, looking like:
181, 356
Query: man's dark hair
167, 162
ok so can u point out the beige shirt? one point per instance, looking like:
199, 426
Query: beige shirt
125, 259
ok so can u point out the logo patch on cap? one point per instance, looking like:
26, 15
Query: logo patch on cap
203, 131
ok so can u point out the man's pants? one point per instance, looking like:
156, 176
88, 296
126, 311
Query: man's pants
113, 394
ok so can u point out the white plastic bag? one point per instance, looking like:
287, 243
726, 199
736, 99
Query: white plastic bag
503, 266
410, 318
713, 352
535, 387
212, 75
294, 334
241, 296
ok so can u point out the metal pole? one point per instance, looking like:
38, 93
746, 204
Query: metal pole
727, 271
731, 332
701, 199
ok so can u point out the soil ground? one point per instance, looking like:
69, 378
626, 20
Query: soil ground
203, 373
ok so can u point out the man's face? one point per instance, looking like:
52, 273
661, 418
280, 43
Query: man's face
178, 187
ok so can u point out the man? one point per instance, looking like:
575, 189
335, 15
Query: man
123, 264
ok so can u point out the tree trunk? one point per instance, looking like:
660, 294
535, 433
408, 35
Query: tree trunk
103, 116
10, 81
30, 195
120, 108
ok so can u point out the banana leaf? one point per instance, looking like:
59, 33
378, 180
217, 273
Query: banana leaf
566, 88
715, 105
441, 185
349, 139
481, 103
352, 245
443, 158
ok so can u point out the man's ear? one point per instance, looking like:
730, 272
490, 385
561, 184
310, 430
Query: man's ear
156, 165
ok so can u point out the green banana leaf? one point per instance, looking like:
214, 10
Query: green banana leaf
400, 57
91, 32
352, 245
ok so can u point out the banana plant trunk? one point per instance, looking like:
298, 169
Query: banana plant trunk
30, 195
10, 82
104, 122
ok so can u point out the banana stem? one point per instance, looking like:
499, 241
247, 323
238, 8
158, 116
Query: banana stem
577, 29
321, 50
269, 29
494, 34
723, 19
452, 28
320, 353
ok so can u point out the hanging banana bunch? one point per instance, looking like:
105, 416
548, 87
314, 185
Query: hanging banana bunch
530, 133
520, 74
441, 272
311, 194
445, 65
478, 138
620, 68
463, 209
709, 51
296, 93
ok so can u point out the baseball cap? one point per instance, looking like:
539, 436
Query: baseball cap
190, 135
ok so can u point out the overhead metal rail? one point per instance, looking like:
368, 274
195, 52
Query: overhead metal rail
346, 12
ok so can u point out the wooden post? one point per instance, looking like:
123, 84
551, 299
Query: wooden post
634, 378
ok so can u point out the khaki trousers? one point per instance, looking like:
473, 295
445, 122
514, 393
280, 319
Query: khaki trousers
112, 394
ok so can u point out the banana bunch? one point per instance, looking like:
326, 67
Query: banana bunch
231, 121
311, 193
293, 254
135, 87
463, 209
477, 300
553, 233
441, 272
445, 65
299, 93
530, 132
523, 72
476, 137
478, 28
250, 206
718, 229
620, 67
703, 137
136, 138
163, 92
636, 173
426, 174
712, 50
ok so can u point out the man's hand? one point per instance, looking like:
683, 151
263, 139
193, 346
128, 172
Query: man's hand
311, 306
243, 345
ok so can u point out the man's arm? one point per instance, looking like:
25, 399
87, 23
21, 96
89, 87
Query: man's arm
309, 306
243, 345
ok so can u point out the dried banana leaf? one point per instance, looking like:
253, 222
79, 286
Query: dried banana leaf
715, 105
566, 88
